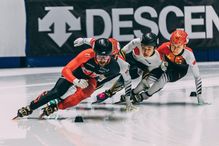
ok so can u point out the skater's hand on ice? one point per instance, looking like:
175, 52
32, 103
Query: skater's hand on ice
201, 100
81, 83
78, 42
130, 107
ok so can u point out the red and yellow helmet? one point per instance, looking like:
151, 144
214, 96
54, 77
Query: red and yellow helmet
179, 37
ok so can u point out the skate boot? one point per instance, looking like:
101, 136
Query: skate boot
104, 95
136, 98
50, 108
24, 111
122, 100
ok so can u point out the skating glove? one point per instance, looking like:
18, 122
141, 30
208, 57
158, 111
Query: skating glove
129, 105
81, 83
79, 42
200, 99
198, 83
164, 65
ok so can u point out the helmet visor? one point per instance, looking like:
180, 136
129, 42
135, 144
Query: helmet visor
103, 57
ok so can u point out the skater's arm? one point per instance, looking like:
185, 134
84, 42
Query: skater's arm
124, 71
82, 41
198, 82
83, 57
190, 59
131, 45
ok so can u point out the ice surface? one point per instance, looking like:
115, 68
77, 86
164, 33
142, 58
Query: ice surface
169, 118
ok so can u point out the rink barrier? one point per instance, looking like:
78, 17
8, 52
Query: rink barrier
49, 61
203, 55
10, 62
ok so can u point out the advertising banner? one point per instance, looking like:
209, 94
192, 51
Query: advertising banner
53, 25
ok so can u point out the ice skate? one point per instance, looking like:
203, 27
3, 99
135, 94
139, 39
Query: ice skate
50, 108
22, 112
103, 96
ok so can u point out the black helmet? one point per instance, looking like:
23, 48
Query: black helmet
103, 46
149, 39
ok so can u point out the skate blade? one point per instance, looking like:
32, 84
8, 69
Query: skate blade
96, 102
15, 117
205, 103
119, 102
41, 117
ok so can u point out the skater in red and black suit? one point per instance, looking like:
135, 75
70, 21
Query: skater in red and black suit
83, 72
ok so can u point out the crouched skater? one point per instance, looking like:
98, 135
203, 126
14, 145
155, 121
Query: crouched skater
177, 58
82, 72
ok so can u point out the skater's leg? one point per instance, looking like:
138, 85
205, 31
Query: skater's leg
78, 96
157, 86
117, 86
148, 79
60, 88
143, 91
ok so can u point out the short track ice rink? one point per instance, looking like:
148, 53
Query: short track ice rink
169, 118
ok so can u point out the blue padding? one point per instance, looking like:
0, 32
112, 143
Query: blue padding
9, 62
211, 54
201, 55
48, 61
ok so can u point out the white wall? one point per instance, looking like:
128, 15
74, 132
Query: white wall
12, 28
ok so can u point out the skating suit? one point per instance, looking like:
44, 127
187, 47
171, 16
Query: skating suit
134, 55
178, 65
84, 66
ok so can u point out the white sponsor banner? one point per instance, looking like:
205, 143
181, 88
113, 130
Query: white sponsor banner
113, 24
12, 28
